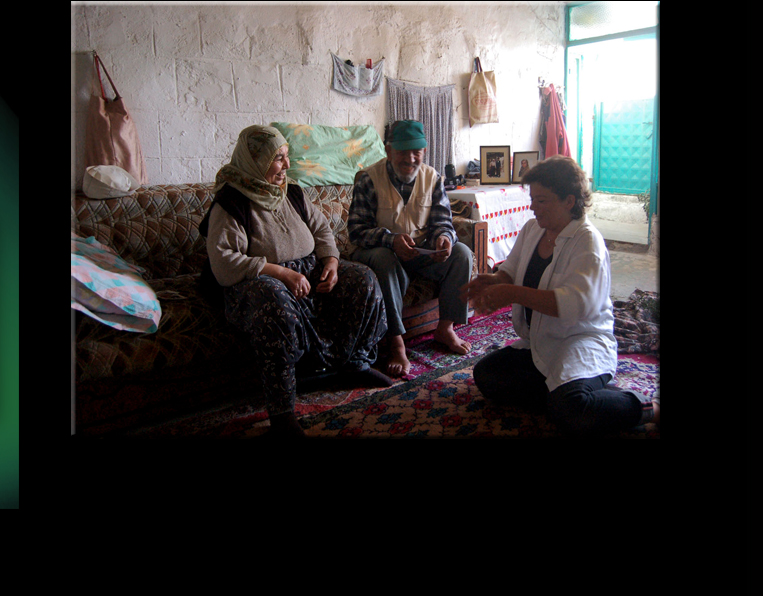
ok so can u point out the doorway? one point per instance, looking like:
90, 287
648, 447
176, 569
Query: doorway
613, 97
622, 146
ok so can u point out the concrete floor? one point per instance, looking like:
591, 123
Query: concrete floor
632, 266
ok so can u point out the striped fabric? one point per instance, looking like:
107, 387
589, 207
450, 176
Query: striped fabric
433, 107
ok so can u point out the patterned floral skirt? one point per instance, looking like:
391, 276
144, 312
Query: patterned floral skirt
335, 331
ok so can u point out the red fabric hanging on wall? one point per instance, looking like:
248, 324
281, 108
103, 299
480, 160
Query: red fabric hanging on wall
556, 133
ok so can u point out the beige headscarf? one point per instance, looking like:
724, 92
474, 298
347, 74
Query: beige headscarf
251, 159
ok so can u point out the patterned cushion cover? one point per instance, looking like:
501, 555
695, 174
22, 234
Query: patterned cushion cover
156, 228
334, 202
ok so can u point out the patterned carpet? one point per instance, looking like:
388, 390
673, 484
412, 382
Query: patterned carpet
437, 400
447, 404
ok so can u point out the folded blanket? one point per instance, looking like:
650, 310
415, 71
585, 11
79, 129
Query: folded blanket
111, 290
637, 323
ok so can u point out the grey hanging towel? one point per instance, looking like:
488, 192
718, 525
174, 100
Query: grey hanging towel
433, 107
356, 79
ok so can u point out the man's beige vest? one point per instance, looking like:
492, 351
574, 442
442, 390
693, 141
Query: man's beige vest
391, 213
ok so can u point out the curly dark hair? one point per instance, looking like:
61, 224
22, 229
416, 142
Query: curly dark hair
564, 177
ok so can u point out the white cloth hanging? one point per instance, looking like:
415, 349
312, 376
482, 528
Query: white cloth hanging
358, 80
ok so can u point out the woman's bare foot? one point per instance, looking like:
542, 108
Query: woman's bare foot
445, 334
285, 426
398, 364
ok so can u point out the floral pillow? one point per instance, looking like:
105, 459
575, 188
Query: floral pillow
325, 155
109, 289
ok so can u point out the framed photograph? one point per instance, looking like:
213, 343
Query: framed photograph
523, 161
495, 165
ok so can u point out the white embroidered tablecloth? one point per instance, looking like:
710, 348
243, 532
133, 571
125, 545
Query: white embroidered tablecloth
505, 209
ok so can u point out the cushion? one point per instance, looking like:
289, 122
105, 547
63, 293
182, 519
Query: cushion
325, 155
110, 290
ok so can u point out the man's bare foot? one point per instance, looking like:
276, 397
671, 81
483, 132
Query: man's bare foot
398, 364
446, 335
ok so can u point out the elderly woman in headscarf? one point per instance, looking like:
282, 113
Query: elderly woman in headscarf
283, 283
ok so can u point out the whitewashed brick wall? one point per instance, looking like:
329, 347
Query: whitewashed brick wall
193, 75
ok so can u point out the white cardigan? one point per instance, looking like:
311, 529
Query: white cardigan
580, 342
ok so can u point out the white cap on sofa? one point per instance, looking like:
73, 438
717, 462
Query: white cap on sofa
108, 182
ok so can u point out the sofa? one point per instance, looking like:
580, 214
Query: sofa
123, 378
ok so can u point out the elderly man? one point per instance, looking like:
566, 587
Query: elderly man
399, 207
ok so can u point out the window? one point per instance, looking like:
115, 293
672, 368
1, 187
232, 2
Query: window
603, 19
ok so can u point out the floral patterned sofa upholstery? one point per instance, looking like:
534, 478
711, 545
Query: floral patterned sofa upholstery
121, 377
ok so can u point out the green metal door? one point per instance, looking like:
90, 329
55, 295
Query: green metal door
622, 146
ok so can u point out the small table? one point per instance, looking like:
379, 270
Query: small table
505, 209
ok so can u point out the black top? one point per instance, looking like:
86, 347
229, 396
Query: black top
535, 269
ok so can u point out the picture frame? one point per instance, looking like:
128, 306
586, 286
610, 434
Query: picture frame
520, 167
495, 164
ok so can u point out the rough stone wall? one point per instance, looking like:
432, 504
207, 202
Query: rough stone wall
194, 75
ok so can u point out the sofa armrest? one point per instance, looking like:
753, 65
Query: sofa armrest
474, 235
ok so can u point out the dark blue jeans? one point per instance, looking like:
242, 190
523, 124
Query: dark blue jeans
580, 407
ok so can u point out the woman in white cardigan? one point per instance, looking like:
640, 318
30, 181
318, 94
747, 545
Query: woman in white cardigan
557, 279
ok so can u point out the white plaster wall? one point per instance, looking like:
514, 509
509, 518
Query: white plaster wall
194, 75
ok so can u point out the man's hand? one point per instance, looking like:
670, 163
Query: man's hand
442, 244
404, 247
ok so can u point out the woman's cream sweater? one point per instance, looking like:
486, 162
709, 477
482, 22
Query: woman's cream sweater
236, 254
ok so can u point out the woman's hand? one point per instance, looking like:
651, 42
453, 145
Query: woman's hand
294, 281
486, 292
329, 275
490, 298
489, 292
482, 281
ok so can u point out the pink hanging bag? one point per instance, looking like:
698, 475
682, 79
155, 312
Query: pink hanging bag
111, 137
